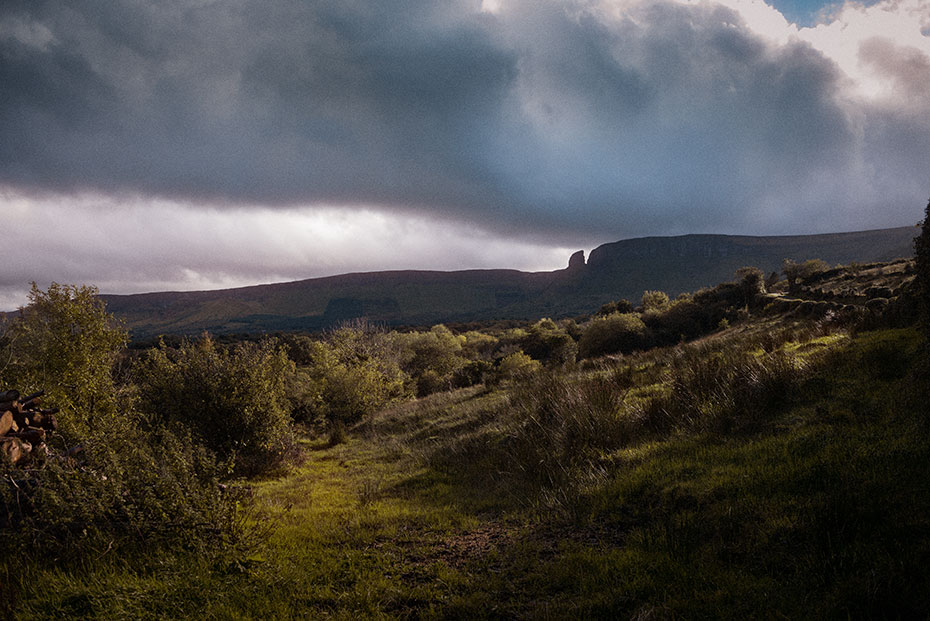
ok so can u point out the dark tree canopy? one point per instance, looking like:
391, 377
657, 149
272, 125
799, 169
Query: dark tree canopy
922, 259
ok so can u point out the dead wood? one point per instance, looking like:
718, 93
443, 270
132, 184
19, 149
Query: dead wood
6, 423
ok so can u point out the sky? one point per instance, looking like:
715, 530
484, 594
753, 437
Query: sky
197, 144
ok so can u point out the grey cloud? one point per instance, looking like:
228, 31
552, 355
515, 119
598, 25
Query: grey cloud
545, 117
718, 119
909, 67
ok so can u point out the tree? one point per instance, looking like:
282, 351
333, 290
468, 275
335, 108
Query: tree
922, 260
517, 365
478, 345
620, 306
64, 342
547, 342
232, 399
655, 300
609, 335
751, 282
344, 384
133, 484
429, 358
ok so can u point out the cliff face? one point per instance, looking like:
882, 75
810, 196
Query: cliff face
833, 248
621, 269
576, 261
689, 262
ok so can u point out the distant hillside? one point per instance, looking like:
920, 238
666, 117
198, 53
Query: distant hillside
622, 269
688, 262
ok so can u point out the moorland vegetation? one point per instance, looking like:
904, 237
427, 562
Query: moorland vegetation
759, 448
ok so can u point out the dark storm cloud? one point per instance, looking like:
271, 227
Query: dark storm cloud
268, 102
546, 116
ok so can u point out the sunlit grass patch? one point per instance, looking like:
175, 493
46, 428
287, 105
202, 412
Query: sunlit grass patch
816, 345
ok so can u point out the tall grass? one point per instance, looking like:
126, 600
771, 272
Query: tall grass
554, 432
719, 389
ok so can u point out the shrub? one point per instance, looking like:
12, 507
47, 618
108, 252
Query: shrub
620, 306
802, 273
299, 348
233, 400
471, 373
478, 345
751, 281
717, 389
429, 358
621, 333
683, 320
516, 366
430, 381
346, 380
301, 398
547, 342
130, 484
65, 343
136, 491
572, 328
655, 300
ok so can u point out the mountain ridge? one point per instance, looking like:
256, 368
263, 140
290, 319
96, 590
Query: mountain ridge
621, 269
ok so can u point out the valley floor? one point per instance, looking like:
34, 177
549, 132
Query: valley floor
440, 508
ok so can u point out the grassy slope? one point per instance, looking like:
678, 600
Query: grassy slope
822, 511
420, 296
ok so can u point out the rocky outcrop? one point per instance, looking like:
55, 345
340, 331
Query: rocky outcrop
689, 262
576, 262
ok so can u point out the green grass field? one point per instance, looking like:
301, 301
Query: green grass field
449, 507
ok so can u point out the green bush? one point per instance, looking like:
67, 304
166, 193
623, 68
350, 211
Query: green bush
134, 492
65, 343
655, 300
547, 342
125, 484
620, 333
233, 400
347, 379
471, 373
429, 358
683, 320
478, 345
516, 366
